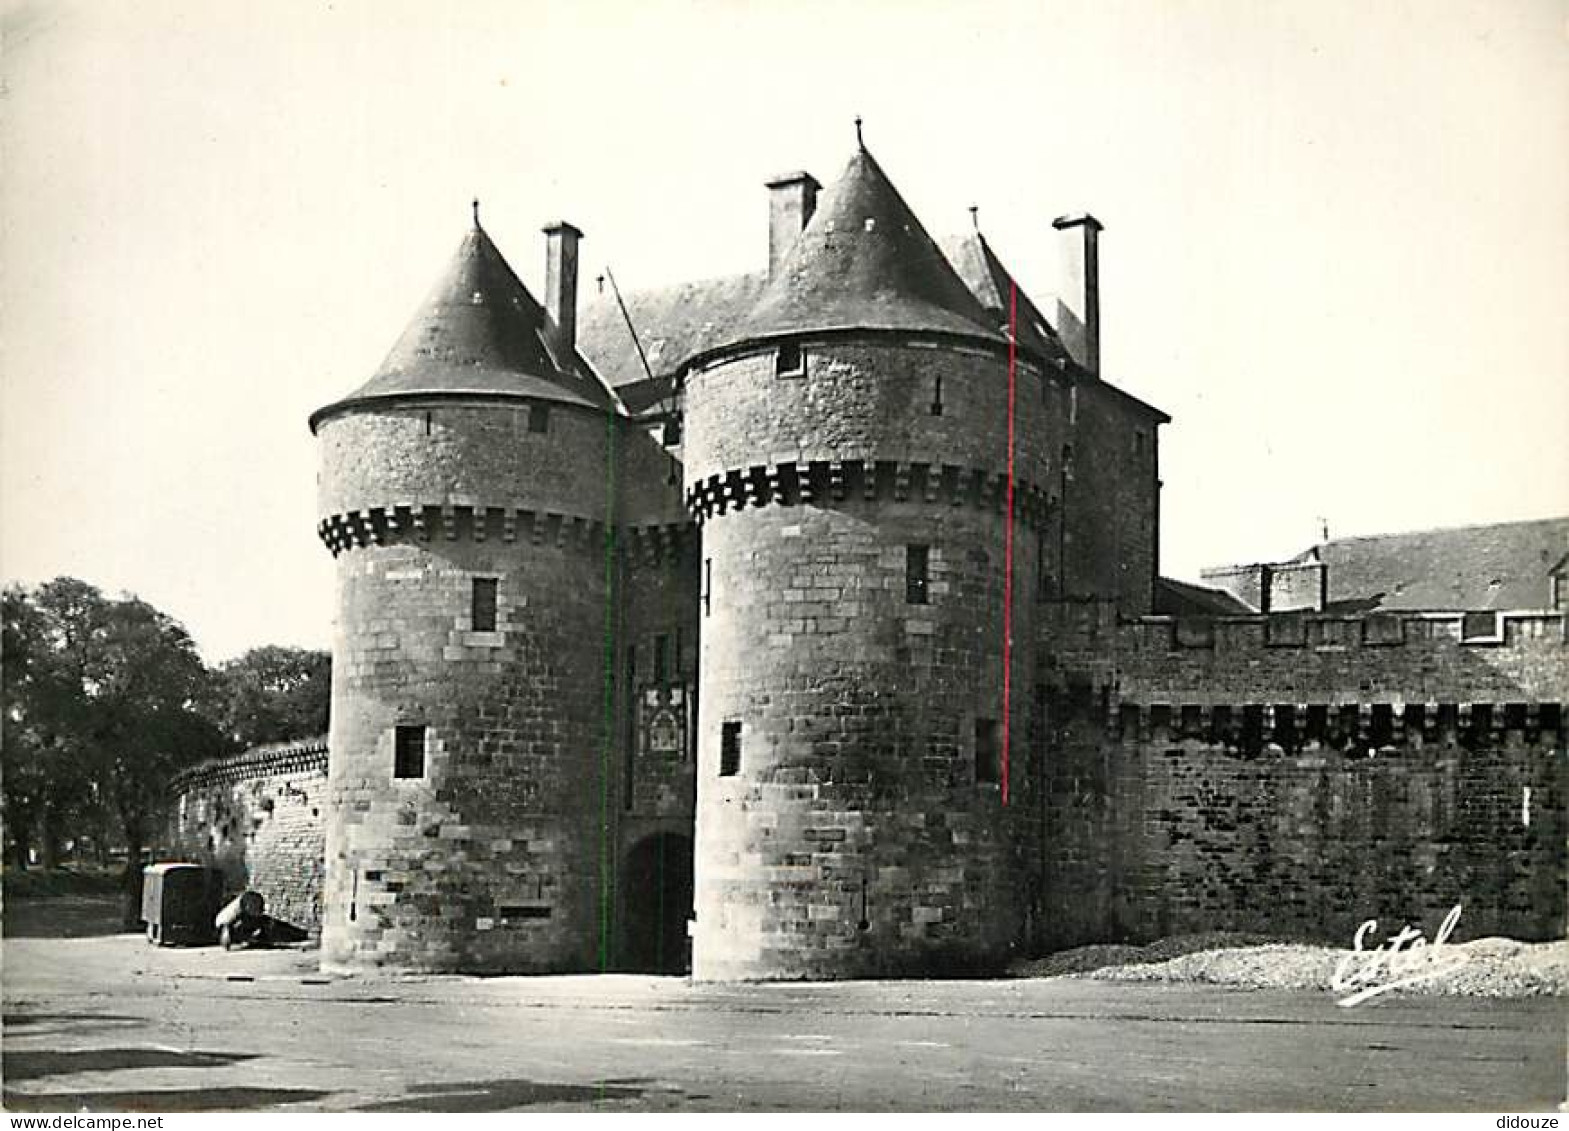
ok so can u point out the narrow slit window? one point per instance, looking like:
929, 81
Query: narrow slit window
661, 660
428, 423
988, 752
629, 758
408, 752
937, 395
539, 418
708, 586
729, 749
482, 603
790, 361
917, 580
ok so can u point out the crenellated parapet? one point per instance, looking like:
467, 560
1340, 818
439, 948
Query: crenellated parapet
379, 526
304, 756
1353, 729
1395, 657
793, 484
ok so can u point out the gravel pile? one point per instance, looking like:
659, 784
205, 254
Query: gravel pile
1492, 967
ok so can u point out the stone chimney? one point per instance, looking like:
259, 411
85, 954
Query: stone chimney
1078, 292
792, 198
561, 289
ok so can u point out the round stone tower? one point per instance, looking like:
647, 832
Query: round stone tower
869, 480
464, 493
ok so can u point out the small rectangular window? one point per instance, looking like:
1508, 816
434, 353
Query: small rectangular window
539, 418
483, 604
988, 752
729, 749
790, 361
408, 752
917, 561
525, 911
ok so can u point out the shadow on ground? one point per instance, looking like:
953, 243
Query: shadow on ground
29, 1064
171, 1100
503, 1095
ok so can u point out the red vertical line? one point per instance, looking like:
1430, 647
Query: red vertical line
1007, 553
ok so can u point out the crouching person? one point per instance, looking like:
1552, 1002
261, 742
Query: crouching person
244, 920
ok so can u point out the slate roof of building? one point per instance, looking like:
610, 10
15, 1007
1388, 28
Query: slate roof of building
673, 323
1496, 566
838, 275
478, 332
1184, 599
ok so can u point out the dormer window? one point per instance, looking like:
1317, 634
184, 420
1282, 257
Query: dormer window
790, 361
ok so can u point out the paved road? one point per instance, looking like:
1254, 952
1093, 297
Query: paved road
111, 1024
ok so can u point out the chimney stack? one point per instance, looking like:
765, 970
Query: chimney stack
1078, 292
792, 198
561, 289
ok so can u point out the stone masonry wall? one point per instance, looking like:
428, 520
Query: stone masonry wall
500, 855
854, 838
851, 820
257, 817
1300, 774
1110, 509
873, 402
441, 452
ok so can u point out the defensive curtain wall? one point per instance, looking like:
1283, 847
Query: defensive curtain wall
257, 818
1298, 774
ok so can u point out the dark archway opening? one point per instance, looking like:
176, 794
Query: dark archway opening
658, 891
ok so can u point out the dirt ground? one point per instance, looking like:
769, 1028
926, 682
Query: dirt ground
99, 1020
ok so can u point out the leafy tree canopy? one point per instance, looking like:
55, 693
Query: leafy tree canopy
274, 694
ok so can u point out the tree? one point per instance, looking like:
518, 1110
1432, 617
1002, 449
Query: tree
274, 694
47, 780
103, 705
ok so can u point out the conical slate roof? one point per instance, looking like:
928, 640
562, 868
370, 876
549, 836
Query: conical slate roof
864, 262
479, 332
991, 283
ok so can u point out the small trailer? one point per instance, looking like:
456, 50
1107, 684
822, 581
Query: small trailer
177, 903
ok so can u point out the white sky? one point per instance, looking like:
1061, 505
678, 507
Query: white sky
1336, 250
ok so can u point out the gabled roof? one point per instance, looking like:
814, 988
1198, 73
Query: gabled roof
864, 262
1499, 566
983, 273
478, 333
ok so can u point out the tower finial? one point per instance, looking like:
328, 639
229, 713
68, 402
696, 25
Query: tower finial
474, 204
859, 143
975, 217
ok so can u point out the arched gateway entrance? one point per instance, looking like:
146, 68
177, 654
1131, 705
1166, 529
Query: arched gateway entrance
657, 898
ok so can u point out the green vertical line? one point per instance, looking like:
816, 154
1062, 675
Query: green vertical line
607, 729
